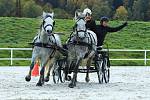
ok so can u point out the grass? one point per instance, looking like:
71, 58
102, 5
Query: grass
18, 32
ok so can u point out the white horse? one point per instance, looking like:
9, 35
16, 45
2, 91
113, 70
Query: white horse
82, 44
46, 46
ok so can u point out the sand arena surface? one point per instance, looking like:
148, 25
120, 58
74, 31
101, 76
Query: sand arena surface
126, 83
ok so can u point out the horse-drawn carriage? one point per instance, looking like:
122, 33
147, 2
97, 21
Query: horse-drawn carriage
81, 44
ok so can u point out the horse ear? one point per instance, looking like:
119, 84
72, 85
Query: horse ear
76, 15
54, 23
52, 14
44, 14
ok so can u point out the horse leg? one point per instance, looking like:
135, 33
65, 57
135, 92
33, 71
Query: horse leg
73, 80
48, 73
28, 77
87, 79
66, 69
41, 79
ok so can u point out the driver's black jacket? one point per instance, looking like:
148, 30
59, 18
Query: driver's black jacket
101, 32
91, 25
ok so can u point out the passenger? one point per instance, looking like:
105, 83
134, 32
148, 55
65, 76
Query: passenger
104, 28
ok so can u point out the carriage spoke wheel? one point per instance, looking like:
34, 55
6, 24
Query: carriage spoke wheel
99, 71
56, 73
106, 70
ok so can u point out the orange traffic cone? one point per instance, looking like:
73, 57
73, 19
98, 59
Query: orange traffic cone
35, 71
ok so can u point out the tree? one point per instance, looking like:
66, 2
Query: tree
7, 8
137, 11
147, 13
47, 7
30, 9
91, 3
60, 13
121, 13
83, 6
100, 9
130, 3
53, 2
117, 3
18, 8
62, 3
71, 6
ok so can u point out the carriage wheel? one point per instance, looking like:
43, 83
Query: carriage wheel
106, 71
98, 65
56, 73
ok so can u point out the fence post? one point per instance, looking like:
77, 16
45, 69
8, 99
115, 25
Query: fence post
11, 57
145, 58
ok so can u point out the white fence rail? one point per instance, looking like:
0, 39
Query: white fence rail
145, 59
11, 54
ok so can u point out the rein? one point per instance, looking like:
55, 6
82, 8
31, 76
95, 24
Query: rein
55, 47
81, 44
44, 45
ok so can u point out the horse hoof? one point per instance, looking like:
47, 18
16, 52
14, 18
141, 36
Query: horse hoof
71, 85
28, 78
87, 80
69, 78
46, 79
39, 84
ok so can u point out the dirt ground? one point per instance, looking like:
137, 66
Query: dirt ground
126, 83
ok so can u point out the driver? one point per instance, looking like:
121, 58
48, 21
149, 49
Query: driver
90, 22
104, 28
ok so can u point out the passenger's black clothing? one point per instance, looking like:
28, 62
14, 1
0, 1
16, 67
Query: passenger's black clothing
101, 32
91, 25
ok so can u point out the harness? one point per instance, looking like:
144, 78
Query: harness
79, 41
53, 46
44, 45
81, 44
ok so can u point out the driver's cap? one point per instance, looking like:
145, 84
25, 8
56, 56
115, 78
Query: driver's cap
87, 12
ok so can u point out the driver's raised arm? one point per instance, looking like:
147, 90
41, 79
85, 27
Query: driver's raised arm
115, 29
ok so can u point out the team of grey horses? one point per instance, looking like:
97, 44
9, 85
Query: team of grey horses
81, 44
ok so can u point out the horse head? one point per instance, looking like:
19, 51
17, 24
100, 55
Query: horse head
48, 22
80, 25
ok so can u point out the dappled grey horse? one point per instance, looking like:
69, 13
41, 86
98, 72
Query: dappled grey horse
82, 44
46, 46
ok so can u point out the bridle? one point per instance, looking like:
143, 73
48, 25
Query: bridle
52, 25
77, 31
